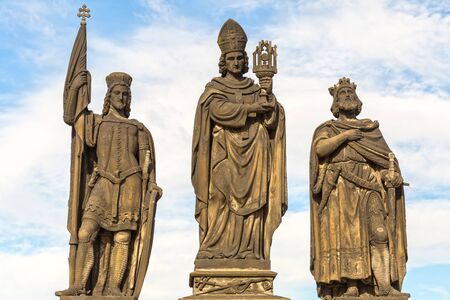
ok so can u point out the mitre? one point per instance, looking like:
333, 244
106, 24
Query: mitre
231, 37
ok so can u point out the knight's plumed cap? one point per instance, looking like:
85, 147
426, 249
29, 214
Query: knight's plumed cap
118, 78
231, 37
343, 82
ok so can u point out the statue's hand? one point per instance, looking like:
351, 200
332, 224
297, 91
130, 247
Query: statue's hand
79, 80
267, 84
396, 181
352, 134
152, 186
260, 107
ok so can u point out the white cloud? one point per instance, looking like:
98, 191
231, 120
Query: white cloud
36, 276
365, 38
32, 15
246, 6
426, 223
161, 7
34, 152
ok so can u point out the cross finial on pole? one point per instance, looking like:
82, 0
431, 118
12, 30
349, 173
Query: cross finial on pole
83, 12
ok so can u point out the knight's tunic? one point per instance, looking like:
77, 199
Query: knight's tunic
114, 199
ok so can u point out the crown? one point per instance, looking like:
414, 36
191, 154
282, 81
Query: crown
231, 37
117, 78
343, 82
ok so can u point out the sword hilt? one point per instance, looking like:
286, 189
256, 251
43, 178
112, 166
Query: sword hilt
146, 164
391, 170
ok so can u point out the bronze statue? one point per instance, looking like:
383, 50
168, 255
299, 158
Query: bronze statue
238, 170
113, 191
358, 234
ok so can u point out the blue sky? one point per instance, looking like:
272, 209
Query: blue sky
397, 52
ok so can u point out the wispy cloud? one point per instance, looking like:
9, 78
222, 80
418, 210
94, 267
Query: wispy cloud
159, 7
392, 48
38, 272
32, 15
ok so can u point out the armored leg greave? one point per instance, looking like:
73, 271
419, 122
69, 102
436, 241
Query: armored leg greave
118, 266
84, 263
88, 264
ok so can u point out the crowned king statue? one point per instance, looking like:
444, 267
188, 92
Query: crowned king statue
358, 233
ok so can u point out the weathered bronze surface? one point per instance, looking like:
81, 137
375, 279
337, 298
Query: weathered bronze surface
358, 238
235, 297
404, 296
113, 191
84, 297
238, 173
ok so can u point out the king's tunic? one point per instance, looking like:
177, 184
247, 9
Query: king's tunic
346, 187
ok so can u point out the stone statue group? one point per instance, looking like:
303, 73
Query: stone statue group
358, 236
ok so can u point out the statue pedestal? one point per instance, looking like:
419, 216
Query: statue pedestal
232, 279
402, 297
96, 298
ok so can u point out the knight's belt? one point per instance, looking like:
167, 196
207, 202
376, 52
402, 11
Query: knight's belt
332, 175
375, 186
116, 179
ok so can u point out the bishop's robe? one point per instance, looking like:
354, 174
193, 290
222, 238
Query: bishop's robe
238, 172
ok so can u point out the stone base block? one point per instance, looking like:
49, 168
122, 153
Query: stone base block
234, 297
402, 297
226, 264
232, 284
96, 298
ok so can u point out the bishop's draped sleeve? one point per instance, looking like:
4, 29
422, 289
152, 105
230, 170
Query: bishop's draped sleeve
227, 113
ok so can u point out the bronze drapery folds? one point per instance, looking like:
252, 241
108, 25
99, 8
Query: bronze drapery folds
238, 174
358, 234
113, 189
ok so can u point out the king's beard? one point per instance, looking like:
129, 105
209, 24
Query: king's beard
348, 106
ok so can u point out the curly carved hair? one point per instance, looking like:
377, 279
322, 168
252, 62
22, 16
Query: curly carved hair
223, 66
107, 101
